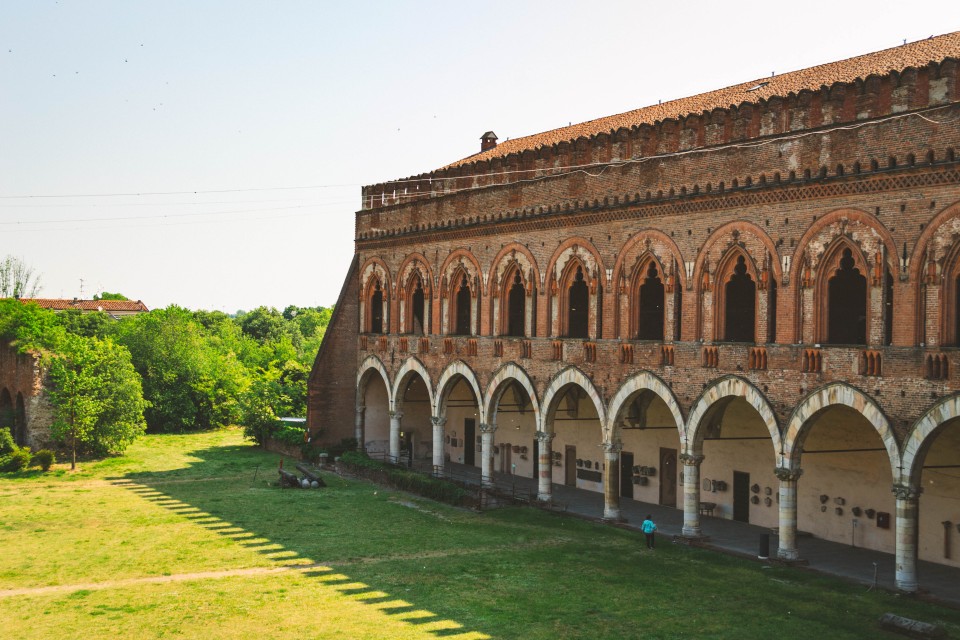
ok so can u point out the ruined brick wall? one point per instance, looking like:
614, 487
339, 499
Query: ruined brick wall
22, 377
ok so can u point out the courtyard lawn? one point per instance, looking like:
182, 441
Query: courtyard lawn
187, 537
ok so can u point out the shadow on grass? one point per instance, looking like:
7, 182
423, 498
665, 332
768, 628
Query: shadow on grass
281, 524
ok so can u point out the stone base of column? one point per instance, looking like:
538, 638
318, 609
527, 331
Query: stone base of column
908, 586
788, 555
613, 517
691, 532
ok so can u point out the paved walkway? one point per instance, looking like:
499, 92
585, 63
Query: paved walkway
937, 581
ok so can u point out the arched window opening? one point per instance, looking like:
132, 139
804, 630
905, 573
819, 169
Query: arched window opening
463, 308
516, 307
740, 305
772, 311
650, 324
376, 309
417, 300
7, 419
20, 422
887, 307
677, 310
847, 304
579, 301
955, 338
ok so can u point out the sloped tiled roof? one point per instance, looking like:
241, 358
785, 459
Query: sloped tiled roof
62, 304
914, 54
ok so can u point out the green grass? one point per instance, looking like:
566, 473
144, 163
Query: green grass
112, 551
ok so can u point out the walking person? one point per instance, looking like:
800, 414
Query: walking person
649, 527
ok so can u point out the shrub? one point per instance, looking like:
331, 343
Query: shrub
7, 445
406, 480
18, 460
44, 458
289, 434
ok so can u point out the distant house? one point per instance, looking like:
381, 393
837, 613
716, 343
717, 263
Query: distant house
116, 308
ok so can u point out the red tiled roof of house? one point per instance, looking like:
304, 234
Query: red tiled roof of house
62, 304
914, 54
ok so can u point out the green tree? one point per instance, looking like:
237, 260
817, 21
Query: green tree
28, 327
105, 295
96, 324
191, 381
97, 398
18, 279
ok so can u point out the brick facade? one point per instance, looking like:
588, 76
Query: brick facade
782, 200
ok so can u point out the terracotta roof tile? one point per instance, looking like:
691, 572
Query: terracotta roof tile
61, 304
914, 54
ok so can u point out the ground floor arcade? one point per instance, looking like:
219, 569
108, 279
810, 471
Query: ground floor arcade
834, 471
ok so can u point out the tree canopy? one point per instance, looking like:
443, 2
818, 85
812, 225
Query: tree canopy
18, 279
168, 370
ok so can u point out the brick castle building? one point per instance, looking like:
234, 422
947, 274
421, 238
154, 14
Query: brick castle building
745, 304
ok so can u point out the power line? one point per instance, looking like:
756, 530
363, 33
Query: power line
174, 193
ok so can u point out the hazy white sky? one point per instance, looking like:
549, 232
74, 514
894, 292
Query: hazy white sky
211, 153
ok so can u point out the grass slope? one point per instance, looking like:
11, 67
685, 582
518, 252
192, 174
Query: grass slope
178, 539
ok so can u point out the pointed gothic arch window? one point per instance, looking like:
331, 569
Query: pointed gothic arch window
463, 304
417, 300
376, 309
650, 305
578, 308
887, 307
772, 310
740, 300
953, 330
847, 303
516, 307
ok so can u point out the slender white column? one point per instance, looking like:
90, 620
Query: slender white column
438, 424
787, 549
545, 466
908, 498
395, 417
358, 427
691, 495
611, 475
486, 450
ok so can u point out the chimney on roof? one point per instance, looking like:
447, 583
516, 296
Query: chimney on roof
488, 141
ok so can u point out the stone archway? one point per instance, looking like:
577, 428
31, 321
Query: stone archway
411, 432
744, 438
457, 415
645, 417
836, 428
374, 406
589, 457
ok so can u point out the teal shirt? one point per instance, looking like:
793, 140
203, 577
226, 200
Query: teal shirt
648, 526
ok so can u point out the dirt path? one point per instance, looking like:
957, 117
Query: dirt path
179, 577
256, 571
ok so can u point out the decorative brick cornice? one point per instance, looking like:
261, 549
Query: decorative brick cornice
587, 213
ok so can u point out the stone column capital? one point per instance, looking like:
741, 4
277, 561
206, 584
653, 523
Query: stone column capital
906, 491
786, 474
545, 438
361, 408
396, 415
614, 447
438, 421
487, 428
691, 460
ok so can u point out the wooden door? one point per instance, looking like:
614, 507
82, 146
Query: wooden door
741, 496
626, 474
570, 466
668, 477
469, 441
536, 459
